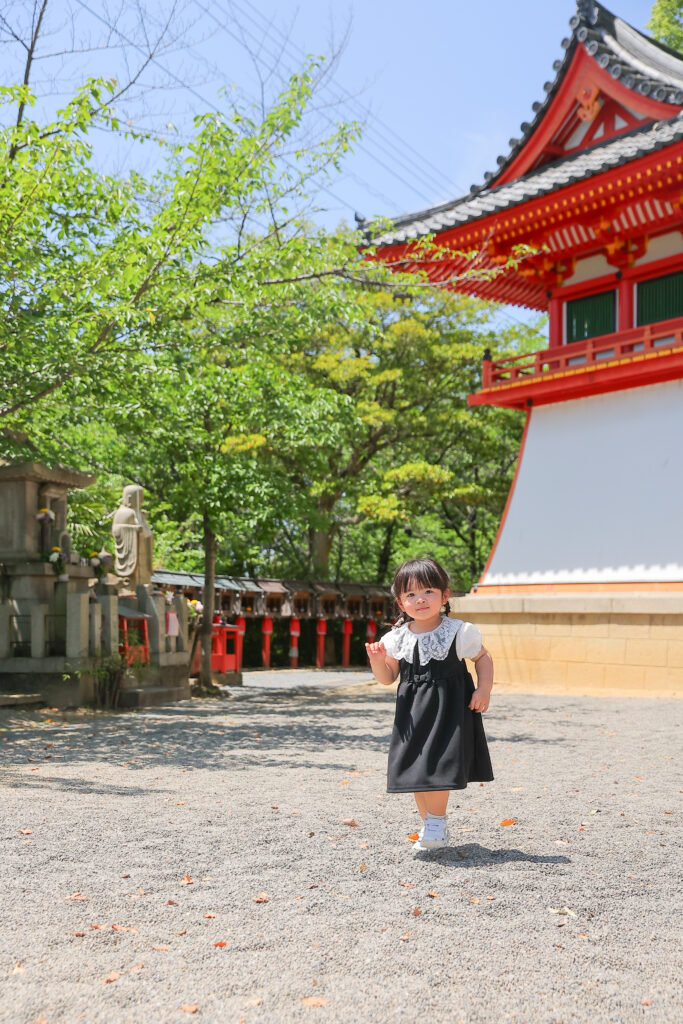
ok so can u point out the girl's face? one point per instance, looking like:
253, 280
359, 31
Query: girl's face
422, 603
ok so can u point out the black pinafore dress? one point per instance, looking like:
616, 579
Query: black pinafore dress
437, 742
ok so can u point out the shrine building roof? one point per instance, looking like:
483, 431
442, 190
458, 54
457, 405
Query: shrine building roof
585, 164
617, 95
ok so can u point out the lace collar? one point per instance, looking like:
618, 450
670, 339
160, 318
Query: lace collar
432, 645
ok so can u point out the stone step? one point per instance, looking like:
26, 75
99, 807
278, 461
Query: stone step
152, 696
17, 700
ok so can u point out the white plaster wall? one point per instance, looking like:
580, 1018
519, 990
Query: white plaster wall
661, 247
590, 267
599, 493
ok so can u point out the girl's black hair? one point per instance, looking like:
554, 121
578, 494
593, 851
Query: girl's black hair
423, 572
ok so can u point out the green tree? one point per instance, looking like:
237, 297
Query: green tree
666, 23
408, 441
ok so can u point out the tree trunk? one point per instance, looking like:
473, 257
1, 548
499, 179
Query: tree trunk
385, 553
209, 602
322, 545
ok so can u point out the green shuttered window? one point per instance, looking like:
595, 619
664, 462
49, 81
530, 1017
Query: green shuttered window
591, 316
660, 298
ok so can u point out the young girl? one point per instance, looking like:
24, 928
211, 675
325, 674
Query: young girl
438, 740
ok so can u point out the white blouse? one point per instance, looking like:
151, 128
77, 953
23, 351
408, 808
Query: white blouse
400, 643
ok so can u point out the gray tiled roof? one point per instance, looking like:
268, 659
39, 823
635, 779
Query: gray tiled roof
644, 65
549, 178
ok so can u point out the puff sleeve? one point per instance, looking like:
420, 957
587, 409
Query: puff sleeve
468, 641
390, 641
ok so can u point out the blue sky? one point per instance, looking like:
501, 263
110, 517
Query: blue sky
442, 86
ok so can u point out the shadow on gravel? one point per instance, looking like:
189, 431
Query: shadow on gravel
274, 729
473, 855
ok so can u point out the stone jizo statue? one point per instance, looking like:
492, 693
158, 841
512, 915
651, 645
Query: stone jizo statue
134, 539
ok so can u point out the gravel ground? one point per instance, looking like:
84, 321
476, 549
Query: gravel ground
135, 847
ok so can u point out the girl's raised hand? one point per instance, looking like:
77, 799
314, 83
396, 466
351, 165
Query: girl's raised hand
376, 651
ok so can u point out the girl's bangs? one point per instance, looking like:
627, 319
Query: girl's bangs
420, 572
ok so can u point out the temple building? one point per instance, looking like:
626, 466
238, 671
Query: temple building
583, 218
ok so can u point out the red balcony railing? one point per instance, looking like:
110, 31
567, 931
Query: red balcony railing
622, 345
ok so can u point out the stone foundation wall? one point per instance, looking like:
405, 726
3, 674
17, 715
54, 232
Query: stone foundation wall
582, 644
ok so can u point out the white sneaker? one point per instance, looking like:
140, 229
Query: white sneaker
422, 830
434, 834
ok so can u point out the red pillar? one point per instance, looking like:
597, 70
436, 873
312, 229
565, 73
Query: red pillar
241, 624
294, 634
321, 630
347, 630
555, 325
266, 633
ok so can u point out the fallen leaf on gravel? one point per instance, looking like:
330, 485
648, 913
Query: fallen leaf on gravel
562, 910
274, 807
434, 895
417, 912
253, 1002
261, 898
186, 880
406, 885
40, 1020
209, 914
206, 879
221, 943
490, 897
363, 867
96, 926
25, 832
125, 876
516, 789
351, 822
161, 949
114, 976
76, 896
474, 899
184, 932
345, 783
190, 1008
122, 928
180, 803
364, 846
315, 886
413, 837
17, 968
138, 967
646, 1002
508, 821
462, 854
314, 1001
171, 903
79, 935
595, 810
